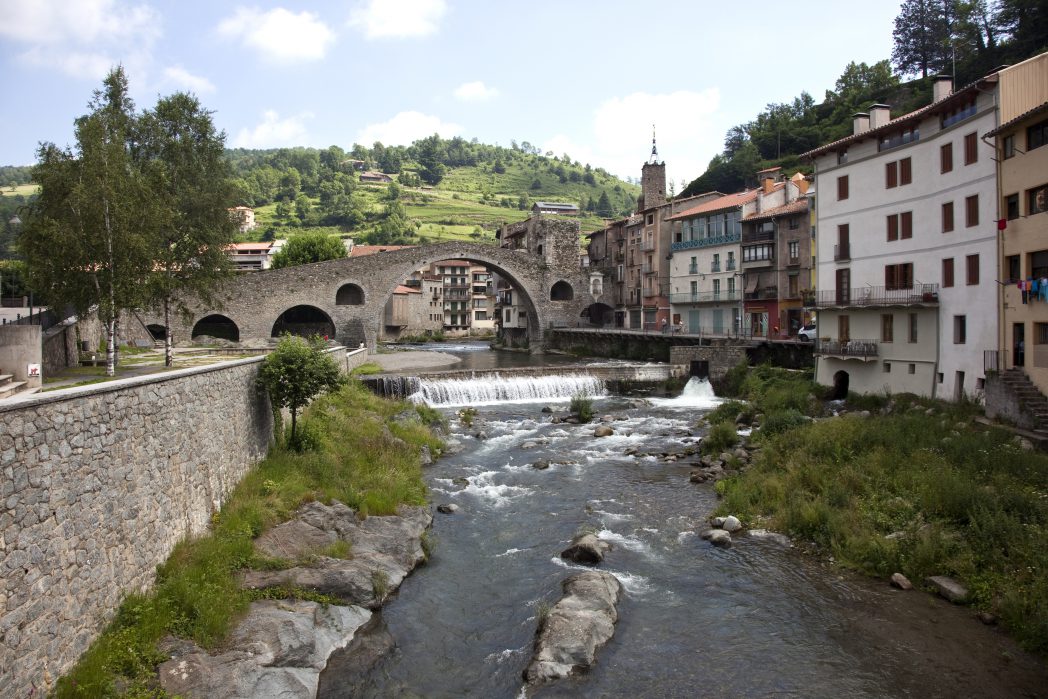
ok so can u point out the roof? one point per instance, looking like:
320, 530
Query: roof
555, 205
965, 92
769, 169
362, 250
250, 246
794, 207
401, 289
728, 201
1025, 115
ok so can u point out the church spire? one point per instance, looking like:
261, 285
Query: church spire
654, 150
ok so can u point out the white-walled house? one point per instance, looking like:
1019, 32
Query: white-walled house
907, 248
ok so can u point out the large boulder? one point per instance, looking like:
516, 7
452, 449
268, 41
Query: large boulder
384, 550
278, 650
586, 549
578, 625
603, 431
949, 588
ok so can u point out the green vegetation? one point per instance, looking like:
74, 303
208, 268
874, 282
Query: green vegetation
366, 369
721, 437
466, 416
294, 372
365, 459
582, 407
907, 491
308, 247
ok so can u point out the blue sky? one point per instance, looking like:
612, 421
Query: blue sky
586, 78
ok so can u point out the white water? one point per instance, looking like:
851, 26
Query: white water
697, 393
492, 389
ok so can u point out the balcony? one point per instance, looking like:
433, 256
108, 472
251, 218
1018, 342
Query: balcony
706, 297
729, 266
693, 268
841, 252
706, 242
793, 262
874, 296
648, 246
620, 256
650, 269
865, 350
715, 266
758, 237
766, 293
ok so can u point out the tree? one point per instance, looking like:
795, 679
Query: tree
296, 371
87, 237
604, 206
430, 153
922, 37
536, 184
182, 155
307, 248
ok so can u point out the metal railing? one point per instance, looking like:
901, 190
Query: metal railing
715, 267
763, 293
729, 266
706, 242
878, 296
693, 268
841, 252
758, 237
862, 349
706, 297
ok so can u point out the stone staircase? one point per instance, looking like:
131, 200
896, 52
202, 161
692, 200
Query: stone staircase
8, 386
1032, 403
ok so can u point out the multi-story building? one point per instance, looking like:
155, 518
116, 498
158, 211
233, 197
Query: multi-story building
457, 294
1022, 166
906, 240
252, 257
482, 307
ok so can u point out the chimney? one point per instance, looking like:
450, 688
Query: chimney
942, 87
767, 184
860, 123
880, 115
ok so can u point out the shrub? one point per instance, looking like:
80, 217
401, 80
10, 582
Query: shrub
582, 407
783, 420
729, 410
721, 437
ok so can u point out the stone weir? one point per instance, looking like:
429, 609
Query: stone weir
519, 383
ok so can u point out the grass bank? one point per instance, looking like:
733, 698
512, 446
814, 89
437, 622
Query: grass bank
916, 486
361, 455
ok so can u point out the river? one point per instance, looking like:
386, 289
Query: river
758, 620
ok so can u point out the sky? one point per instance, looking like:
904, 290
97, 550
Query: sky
584, 77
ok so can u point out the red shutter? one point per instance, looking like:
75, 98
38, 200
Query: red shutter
905, 171
893, 227
891, 175
907, 224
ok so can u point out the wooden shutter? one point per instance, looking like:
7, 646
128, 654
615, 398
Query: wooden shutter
971, 152
906, 224
971, 210
947, 272
973, 270
946, 157
905, 171
891, 175
893, 227
947, 217
842, 187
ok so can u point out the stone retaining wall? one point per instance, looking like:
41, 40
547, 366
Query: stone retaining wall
99, 484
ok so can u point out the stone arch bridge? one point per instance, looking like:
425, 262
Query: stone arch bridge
351, 293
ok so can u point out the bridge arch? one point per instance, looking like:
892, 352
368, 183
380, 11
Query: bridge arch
561, 291
304, 320
217, 325
350, 294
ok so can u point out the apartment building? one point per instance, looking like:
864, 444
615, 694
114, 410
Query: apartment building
253, 257
482, 305
1022, 165
906, 244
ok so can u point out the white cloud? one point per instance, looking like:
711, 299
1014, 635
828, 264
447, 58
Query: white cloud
685, 126
84, 38
406, 127
279, 35
475, 91
398, 19
184, 80
274, 131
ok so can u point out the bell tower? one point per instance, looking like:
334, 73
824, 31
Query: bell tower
653, 178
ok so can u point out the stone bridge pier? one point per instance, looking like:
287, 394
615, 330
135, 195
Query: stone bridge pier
348, 296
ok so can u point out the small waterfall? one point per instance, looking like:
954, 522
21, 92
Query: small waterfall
697, 393
493, 388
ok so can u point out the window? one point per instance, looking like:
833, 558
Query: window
971, 148
946, 158
972, 262
842, 187
887, 327
912, 368
947, 272
898, 276
887, 367
891, 175
1037, 200
947, 217
1040, 333
758, 253
1012, 263
480, 315
960, 330
1011, 206
900, 225
893, 227
1037, 135
1008, 146
959, 113
842, 251
843, 329
971, 211
842, 156
899, 138
1037, 266
795, 250
794, 223
905, 171
913, 329
651, 219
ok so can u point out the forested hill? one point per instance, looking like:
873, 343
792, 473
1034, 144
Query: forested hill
964, 39
443, 189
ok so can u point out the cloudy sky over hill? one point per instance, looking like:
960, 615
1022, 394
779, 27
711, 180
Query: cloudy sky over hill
583, 78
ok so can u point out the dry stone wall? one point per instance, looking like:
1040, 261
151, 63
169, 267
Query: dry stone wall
99, 484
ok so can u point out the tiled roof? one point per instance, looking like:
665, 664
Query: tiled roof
251, 246
793, 207
401, 289
895, 123
555, 205
728, 201
1025, 115
362, 250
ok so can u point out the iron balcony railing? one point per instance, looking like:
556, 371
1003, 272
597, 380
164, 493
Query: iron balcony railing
706, 297
862, 349
693, 268
706, 242
841, 252
918, 294
793, 261
758, 237
729, 266
763, 294
715, 267
648, 246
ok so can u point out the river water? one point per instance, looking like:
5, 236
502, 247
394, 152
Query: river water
757, 620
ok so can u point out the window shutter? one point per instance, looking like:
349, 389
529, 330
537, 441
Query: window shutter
907, 224
905, 171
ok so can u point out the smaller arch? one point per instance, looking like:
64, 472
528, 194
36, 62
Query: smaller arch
598, 314
561, 291
305, 321
217, 325
840, 386
159, 332
349, 295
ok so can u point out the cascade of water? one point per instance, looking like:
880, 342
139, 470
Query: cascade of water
697, 393
486, 390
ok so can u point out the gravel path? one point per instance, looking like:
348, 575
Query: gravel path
403, 361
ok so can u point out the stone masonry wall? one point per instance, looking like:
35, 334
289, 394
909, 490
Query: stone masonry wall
99, 484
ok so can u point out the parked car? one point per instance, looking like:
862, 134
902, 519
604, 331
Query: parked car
807, 333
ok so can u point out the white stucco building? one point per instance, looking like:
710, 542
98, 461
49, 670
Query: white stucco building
907, 247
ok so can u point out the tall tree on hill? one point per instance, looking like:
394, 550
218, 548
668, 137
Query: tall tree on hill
1026, 22
604, 206
430, 156
181, 154
87, 238
922, 36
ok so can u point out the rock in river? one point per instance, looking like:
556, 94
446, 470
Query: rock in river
586, 549
603, 431
578, 625
949, 588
